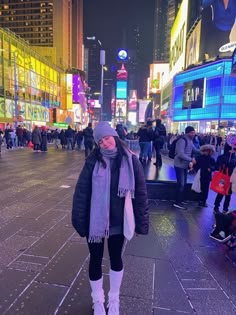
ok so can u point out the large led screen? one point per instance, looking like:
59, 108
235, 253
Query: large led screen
193, 96
218, 33
219, 93
121, 89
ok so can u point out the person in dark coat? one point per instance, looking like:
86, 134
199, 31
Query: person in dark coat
44, 142
206, 164
225, 226
111, 175
158, 141
226, 162
36, 139
63, 139
88, 139
120, 129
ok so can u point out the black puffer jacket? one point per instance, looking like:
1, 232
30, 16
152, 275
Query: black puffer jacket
82, 198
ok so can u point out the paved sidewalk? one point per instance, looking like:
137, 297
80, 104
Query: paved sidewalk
176, 269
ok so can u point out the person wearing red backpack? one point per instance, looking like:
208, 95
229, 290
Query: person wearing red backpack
226, 161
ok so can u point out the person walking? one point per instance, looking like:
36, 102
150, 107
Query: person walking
1, 139
226, 162
69, 135
56, 138
113, 172
44, 139
206, 164
158, 141
145, 134
36, 139
182, 161
88, 139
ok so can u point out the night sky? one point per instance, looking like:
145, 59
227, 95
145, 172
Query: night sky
108, 20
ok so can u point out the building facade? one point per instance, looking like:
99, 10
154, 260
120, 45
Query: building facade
56, 24
30, 86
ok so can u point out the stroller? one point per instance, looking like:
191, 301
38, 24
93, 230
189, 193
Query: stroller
224, 231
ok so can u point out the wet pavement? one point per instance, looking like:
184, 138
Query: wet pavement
176, 269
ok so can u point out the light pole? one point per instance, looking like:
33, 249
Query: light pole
15, 88
222, 68
102, 63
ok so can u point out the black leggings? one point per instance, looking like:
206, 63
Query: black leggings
115, 245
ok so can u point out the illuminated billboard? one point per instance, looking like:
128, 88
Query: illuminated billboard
121, 89
193, 96
122, 74
218, 95
132, 105
218, 33
121, 108
159, 75
122, 54
78, 94
178, 40
193, 46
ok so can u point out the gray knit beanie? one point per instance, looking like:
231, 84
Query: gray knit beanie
103, 129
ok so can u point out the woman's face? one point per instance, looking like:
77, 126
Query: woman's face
107, 143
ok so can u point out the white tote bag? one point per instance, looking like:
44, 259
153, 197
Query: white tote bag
196, 186
129, 222
233, 180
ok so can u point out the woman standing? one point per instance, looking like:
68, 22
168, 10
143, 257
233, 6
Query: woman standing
36, 139
109, 174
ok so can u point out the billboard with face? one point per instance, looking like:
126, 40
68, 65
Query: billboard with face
218, 32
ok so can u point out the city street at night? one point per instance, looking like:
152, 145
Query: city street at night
175, 269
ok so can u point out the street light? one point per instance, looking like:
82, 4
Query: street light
102, 63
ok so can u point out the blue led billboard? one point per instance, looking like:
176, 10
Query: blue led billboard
219, 92
121, 89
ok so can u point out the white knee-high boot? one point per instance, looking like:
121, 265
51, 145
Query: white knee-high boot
114, 293
98, 297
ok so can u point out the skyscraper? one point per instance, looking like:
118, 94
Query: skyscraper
165, 13
48, 23
160, 50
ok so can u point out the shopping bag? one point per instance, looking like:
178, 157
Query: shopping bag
196, 186
220, 183
30, 145
129, 222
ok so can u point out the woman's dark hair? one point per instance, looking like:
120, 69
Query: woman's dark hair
121, 146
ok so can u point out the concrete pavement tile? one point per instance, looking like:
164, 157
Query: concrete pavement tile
39, 298
163, 311
168, 291
12, 283
172, 299
152, 205
137, 246
70, 258
138, 277
204, 274
7, 255
12, 226
20, 242
211, 302
135, 306
78, 298
26, 266
199, 284
44, 222
51, 242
